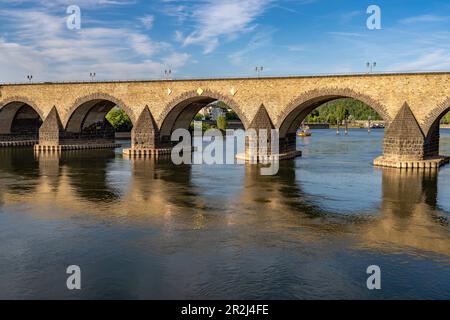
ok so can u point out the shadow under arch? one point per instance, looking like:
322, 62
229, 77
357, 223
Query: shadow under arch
435, 116
19, 117
431, 127
298, 109
180, 112
91, 109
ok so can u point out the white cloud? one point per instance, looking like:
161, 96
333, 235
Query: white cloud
18, 61
176, 60
426, 18
179, 11
215, 19
80, 3
346, 17
42, 45
259, 40
143, 45
148, 21
438, 59
345, 34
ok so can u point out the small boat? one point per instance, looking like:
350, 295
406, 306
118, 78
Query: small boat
304, 132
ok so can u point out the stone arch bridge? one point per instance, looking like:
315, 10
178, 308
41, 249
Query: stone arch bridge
60, 116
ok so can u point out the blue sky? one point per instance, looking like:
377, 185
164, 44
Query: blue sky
134, 39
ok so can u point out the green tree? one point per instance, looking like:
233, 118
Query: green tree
221, 104
342, 112
446, 119
222, 123
232, 116
119, 120
198, 117
331, 118
357, 109
205, 126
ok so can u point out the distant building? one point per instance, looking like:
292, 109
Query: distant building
215, 113
212, 112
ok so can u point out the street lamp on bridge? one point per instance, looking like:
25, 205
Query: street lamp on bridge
92, 75
371, 66
259, 70
167, 74
30, 78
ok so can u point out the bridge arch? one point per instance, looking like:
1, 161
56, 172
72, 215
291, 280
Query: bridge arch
19, 115
92, 108
298, 109
180, 112
434, 117
431, 128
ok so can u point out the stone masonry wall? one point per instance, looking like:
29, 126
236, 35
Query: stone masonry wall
426, 94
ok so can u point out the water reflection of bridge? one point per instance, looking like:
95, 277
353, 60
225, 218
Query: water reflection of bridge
157, 193
411, 216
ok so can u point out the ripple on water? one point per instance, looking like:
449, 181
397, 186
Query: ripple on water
148, 229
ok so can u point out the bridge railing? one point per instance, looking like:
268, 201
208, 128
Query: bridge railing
248, 77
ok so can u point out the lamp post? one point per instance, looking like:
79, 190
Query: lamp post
371, 66
30, 78
167, 74
259, 70
92, 75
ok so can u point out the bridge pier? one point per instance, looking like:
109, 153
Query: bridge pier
53, 137
145, 138
259, 146
288, 145
406, 147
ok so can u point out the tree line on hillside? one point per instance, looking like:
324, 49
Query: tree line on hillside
350, 109
342, 109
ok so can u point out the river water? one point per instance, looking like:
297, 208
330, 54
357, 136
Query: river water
152, 230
